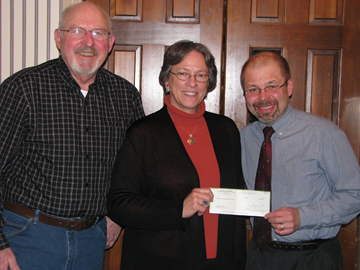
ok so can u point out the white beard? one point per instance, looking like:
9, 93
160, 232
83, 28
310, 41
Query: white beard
84, 69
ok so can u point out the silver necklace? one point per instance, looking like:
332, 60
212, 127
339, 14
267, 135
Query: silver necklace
191, 140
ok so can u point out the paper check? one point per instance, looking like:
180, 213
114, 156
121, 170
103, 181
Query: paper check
240, 202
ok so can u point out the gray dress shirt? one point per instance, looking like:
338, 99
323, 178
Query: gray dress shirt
314, 169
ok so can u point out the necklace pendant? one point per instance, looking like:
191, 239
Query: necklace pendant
191, 140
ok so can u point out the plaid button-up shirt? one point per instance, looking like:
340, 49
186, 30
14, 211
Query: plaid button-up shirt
57, 147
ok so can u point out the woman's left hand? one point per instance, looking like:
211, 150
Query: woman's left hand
197, 202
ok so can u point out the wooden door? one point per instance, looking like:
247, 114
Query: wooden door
318, 37
143, 29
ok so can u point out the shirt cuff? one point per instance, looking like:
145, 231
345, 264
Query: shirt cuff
3, 241
308, 218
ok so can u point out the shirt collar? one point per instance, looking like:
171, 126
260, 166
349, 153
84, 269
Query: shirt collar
65, 74
173, 110
69, 79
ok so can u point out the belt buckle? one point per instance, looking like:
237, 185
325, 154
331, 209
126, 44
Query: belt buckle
70, 226
72, 223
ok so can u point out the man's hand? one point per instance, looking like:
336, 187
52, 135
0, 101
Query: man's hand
113, 232
285, 220
8, 260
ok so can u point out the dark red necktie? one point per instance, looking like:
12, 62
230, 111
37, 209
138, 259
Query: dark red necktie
262, 228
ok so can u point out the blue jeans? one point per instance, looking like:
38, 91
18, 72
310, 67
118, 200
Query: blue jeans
40, 246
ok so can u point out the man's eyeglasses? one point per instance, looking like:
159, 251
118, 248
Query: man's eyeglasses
251, 92
184, 76
79, 32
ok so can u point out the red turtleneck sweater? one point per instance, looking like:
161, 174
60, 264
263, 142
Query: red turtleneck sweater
203, 157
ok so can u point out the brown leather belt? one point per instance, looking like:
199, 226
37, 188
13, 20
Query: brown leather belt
305, 245
74, 224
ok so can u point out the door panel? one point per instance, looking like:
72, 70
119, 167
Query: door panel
323, 72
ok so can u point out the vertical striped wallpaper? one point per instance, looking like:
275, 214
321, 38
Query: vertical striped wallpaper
27, 33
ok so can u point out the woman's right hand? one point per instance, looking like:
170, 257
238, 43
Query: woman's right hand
197, 202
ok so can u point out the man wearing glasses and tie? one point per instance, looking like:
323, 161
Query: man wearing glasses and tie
308, 165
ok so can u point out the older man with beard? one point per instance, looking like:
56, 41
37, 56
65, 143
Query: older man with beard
62, 123
310, 168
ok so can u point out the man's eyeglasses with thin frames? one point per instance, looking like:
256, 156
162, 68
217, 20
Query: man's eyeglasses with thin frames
79, 32
268, 89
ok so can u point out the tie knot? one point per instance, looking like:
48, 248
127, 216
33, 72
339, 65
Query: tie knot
268, 132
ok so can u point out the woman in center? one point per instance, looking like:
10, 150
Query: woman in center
161, 181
